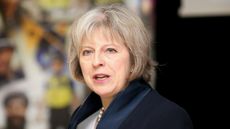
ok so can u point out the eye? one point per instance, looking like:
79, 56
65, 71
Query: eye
86, 52
111, 50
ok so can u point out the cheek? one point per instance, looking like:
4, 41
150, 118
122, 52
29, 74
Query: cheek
122, 65
84, 67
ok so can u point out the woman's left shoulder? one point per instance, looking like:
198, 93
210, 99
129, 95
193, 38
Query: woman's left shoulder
155, 111
165, 112
158, 102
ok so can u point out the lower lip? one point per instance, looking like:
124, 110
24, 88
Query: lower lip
101, 81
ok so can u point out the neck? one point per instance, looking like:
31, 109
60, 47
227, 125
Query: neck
106, 102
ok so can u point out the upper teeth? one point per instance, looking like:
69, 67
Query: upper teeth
100, 75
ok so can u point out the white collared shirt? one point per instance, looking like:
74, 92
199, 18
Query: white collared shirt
90, 122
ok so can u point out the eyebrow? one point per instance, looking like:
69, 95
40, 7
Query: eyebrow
85, 46
106, 45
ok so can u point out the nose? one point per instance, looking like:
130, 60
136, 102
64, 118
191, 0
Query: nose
98, 60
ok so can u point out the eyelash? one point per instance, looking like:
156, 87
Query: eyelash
86, 52
111, 50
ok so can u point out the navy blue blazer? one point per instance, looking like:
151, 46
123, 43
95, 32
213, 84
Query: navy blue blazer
136, 107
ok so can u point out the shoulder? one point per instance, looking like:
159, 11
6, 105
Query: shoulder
166, 112
72, 121
157, 102
155, 111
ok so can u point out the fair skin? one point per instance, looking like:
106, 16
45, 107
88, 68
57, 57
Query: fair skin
105, 65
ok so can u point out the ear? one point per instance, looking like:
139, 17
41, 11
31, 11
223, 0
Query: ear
131, 68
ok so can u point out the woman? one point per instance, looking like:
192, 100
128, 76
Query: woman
110, 52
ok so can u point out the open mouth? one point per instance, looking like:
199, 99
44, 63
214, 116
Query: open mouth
100, 77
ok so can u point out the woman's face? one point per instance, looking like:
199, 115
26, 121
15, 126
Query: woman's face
105, 64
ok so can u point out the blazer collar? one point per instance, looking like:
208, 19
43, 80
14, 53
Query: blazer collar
119, 109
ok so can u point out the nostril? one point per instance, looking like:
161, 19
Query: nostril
98, 65
98, 61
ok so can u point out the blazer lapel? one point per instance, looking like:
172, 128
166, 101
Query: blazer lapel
91, 105
119, 109
124, 104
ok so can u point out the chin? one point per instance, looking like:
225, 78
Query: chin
104, 93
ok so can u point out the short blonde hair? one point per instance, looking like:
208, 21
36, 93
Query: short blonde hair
121, 24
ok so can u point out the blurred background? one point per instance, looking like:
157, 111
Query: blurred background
36, 88
189, 43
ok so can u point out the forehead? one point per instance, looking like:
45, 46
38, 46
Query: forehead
16, 102
102, 33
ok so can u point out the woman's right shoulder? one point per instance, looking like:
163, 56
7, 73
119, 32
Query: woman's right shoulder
73, 118
75, 112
